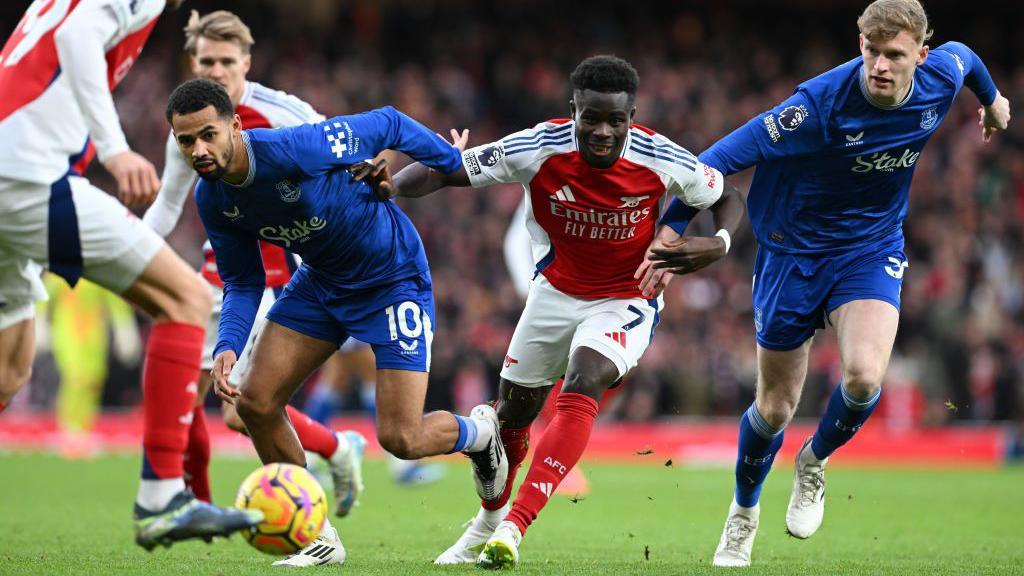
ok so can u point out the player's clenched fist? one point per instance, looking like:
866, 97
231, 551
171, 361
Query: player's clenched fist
688, 254
222, 366
994, 117
137, 182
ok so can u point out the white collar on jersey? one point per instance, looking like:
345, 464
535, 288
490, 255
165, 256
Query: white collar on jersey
252, 163
871, 99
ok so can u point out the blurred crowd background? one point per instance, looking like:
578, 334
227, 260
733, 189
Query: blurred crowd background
705, 68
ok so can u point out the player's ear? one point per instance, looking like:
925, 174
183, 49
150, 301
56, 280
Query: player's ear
632, 114
922, 54
194, 62
236, 123
572, 108
246, 64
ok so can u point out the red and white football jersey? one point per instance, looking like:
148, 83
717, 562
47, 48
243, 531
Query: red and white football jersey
260, 107
590, 227
48, 107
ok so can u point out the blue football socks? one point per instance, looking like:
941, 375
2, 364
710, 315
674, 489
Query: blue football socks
758, 444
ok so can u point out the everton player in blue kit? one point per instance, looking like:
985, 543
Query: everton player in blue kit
364, 272
827, 203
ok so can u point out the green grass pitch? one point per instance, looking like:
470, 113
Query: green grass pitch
61, 517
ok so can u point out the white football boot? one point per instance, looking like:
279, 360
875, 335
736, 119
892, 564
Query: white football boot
502, 548
346, 466
807, 502
467, 548
490, 464
326, 549
737, 537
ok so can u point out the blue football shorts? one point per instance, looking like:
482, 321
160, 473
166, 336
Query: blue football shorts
794, 294
396, 320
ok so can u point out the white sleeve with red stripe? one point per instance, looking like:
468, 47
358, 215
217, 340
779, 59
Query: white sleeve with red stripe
82, 41
175, 185
685, 177
517, 157
278, 107
81, 48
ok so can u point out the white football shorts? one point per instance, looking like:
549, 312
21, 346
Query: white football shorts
20, 288
554, 325
75, 230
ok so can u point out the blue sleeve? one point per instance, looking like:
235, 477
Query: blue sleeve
240, 265
793, 128
346, 140
678, 216
971, 70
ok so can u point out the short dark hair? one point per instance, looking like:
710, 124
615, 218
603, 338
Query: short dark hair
194, 95
606, 74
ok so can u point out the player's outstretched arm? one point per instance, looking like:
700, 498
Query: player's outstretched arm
415, 180
674, 254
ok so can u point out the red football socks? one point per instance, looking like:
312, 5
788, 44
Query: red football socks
169, 388
314, 436
2, 407
197, 456
517, 444
557, 452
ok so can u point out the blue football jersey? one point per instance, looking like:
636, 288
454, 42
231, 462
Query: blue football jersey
299, 195
834, 166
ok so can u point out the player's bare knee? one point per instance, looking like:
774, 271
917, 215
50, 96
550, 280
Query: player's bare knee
518, 406
255, 410
516, 415
196, 302
401, 444
862, 383
586, 383
187, 302
231, 418
13, 378
776, 411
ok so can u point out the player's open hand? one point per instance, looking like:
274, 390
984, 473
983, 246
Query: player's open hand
688, 254
994, 118
222, 366
137, 182
460, 139
377, 174
653, 281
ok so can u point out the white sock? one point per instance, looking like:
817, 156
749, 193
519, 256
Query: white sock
484, 433
491, 518
807, 456
751, 512
155, 495
310, 457
325, 531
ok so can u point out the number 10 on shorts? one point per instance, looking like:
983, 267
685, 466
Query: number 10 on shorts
406, 317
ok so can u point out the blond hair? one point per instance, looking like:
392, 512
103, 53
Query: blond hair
222, 26
884, 19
